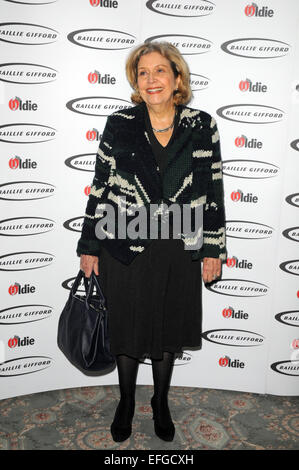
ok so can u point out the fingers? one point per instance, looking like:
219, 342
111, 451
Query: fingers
89, 263
96, 266
211, 269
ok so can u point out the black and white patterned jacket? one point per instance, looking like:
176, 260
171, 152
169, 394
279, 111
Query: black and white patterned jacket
126, 166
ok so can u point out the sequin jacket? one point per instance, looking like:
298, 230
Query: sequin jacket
126, 166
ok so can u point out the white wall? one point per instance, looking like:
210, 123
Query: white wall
253, 286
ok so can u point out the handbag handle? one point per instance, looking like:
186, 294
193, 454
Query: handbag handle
89, 286
78, 280
94, 282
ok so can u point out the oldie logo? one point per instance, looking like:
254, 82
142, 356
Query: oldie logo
97, 105
251, 113
32, 74
249, 169
187, 45
230, 337
23, 133
75, 224
26, 190
293, 199
247, 230
24, 226
87, 190
226, 361
93, 135
256, 48
27, 34
238, 288
18, 163
17, 104
240, 196
254, 10
25, 260
243, 141
234, 262
18, 289
290, 367
83, 162
292, 233
185, 8
291, 267
104, 3
17, 342
257, 87
25, 365
25, 314
230, 312
108, 39
291, 317
97, 78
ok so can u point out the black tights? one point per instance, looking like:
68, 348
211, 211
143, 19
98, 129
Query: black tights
127, 373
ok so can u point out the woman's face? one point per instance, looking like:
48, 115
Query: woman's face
155, 79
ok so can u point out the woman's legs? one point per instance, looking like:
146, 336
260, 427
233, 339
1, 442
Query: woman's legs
121, 426
162, 371
127, 374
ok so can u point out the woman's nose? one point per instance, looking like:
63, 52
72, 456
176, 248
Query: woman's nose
151, 77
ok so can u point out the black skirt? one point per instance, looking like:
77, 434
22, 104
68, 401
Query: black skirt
155, 303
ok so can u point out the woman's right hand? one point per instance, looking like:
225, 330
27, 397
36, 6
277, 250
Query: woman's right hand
89, 263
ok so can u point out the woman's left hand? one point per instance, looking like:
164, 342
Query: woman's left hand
211, 269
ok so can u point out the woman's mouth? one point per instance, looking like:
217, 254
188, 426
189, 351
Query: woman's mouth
151, 91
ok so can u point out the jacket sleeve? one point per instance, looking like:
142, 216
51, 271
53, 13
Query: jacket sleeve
89, 244
214, 238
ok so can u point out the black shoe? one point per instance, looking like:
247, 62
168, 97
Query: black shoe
119, 431
164, 431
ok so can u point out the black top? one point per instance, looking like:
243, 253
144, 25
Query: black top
160, 152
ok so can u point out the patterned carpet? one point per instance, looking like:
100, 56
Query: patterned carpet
80, 418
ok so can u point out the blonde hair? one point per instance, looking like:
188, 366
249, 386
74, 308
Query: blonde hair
179, 67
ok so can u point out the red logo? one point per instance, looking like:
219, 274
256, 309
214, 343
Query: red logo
14, 104
236, 195
87, 190
12, 290
93, 77
14, 163
231, 262
227, 312
295, 344
12, 342
94, 3
223, 361
250, 9
240, 141
244, 85
91, 135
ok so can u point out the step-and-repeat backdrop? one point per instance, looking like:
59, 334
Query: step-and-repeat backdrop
62, 72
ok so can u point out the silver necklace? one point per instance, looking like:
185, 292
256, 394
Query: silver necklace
166, 128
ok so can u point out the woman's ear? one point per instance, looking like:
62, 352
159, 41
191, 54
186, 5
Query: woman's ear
178, 81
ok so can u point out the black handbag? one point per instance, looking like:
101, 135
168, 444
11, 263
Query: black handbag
83, 328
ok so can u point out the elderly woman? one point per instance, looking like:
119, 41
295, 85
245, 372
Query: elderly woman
158, 152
